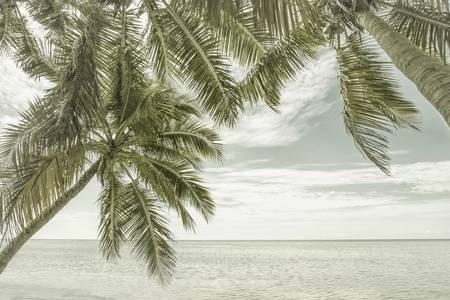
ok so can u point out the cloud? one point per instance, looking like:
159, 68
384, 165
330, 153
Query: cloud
16, 90
302, 102
328, 203
296, 189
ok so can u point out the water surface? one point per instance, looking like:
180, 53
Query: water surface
50, 270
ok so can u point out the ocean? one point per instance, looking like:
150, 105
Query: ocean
73, 269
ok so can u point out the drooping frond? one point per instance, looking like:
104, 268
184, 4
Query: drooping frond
147, 231
200, 64
113, 214
32, 55
373, 103
51, 14
242, 39
31, 187
281, 63
427, 26
260, 18
157, 44
188, 185
77, 94
282, 17
30, 136
128, 80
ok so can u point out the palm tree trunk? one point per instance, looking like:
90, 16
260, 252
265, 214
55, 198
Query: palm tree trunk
428, 73
17, 242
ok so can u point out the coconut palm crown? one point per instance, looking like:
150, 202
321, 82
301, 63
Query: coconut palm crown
106, 116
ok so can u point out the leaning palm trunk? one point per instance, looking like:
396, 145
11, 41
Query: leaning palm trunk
17, 242
429, 74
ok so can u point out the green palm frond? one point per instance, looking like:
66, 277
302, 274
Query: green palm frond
188, 185
373, 103
51, 14
31, 55
77, 94
426, 26
281, 17
147, 231
36, 184
113, 214
200, 64
157, 44
128, 79
276, 18
195, 137
8, 25
35, 134
210, 9
173, 181
278, 65
242, 39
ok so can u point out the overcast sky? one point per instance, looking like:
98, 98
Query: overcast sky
296, 174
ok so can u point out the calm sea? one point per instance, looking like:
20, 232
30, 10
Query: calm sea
237, 270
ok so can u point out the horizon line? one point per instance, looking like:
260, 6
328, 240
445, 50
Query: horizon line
272, 240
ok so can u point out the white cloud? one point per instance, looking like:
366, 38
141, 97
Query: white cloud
16, 90
300, 203
302, 101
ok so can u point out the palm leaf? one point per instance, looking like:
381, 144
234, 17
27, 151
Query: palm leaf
113, 214
158, 50
147, 232
426, 26
373, 103
281, 63
201, 65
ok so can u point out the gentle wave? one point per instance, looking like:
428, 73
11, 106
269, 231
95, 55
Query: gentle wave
53, 270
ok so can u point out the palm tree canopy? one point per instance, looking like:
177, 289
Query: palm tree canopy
148, 141
192, 43
113, 66
425, 22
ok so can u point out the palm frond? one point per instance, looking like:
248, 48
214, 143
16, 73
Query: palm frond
373, 103
193, 137
241, 39
51, 14
27, 190
77, 94
30, 136
188, 185
113, 214
32, 55
200, 64
280, 17
158, 49
8, 25
426, 26
281, 63
147, 231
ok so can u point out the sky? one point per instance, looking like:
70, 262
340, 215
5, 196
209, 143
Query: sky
295, 174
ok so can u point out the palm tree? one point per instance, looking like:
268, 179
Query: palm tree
191, 42
404, 29
373, 105
408, 26
108, 60
147, 163
146, 156
415, 34
105, 116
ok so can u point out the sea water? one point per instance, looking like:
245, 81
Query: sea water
236, 270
